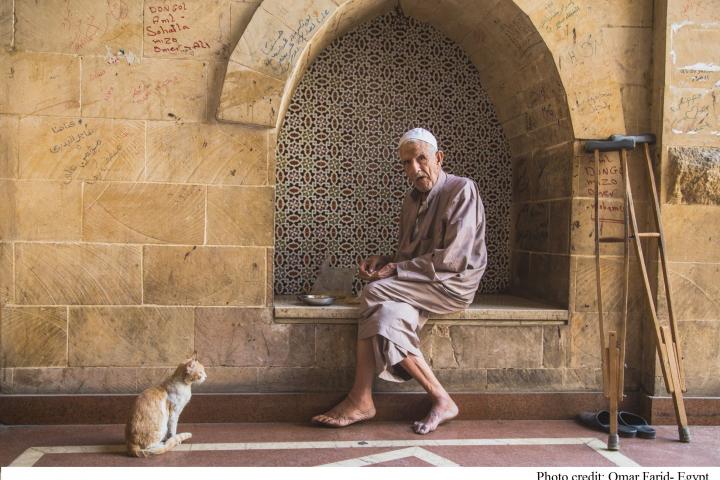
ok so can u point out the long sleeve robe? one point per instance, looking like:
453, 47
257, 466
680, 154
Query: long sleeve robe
441, 258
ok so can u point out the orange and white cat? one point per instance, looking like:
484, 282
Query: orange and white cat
152, 426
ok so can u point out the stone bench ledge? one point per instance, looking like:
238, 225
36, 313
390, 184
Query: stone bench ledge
497, 309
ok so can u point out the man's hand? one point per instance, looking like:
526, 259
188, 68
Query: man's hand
376, 267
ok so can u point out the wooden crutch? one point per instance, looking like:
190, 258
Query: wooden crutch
612, 353
666, 339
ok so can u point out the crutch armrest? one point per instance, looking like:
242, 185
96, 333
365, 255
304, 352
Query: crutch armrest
609, 145
637, 139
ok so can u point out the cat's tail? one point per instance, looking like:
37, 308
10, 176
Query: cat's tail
134, 450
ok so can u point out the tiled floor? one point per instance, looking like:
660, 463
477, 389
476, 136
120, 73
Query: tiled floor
467, 443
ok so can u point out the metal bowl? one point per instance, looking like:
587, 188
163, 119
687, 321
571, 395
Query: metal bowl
317, 300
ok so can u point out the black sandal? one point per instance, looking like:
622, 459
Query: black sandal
638, 422
601, 421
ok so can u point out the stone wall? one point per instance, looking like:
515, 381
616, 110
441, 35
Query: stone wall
687, 97
135, 228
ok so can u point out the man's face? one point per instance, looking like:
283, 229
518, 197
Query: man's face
421, 164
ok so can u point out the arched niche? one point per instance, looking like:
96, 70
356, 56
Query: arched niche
518, 48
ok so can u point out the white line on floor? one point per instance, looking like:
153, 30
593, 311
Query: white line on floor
33, 454
416, 452
616, 457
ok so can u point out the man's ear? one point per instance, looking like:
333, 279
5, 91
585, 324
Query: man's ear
440, 156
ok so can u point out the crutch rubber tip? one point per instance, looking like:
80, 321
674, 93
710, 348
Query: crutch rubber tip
684, 434
613, 442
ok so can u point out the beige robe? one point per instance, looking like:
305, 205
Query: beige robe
440, 260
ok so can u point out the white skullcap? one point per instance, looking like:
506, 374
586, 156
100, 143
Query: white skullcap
418, 134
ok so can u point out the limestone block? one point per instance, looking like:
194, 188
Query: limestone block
625, 13
637, 108
582, 379
697, 10
271, 156
438, 347
270, 277
240, 216
553, 175
274, 40
691, 233
204, 275
158, 89
129, 336
611, 176
410, 386
699, 342
8, 146
546, 137
34, 336
81, 149
84, 27
78, 380
694, 67
47, 210
7, 282
7, 210
191, 28
40, 83
203, 153
520, 271
584, 347
545, 114
144, 213
559, 226
524, 174
612, 224
556, 19
57, 274
241, 12
462, 379
6, 380
531, 226
596, 109
150, 376
611, 274
550, 277
304, 379
249, 97
453, 19
248, 337
6, 23
515, 126
524, 379
694, 289
694, 175
497, 347
698, 385
631, 52
229, 380
694, 117
216, 78
555, 340
335, 346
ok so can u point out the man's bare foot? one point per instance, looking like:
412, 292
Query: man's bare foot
442, 411
346, 413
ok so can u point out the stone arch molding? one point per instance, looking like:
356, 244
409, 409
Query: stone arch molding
546, 84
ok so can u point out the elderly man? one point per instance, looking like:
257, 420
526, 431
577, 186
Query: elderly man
438, 266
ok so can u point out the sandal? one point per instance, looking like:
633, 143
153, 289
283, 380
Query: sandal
637, 422
601, 421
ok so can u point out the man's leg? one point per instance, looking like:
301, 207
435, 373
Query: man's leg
443, 407
358, 405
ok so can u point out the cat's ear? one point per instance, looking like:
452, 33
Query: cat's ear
194, 356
